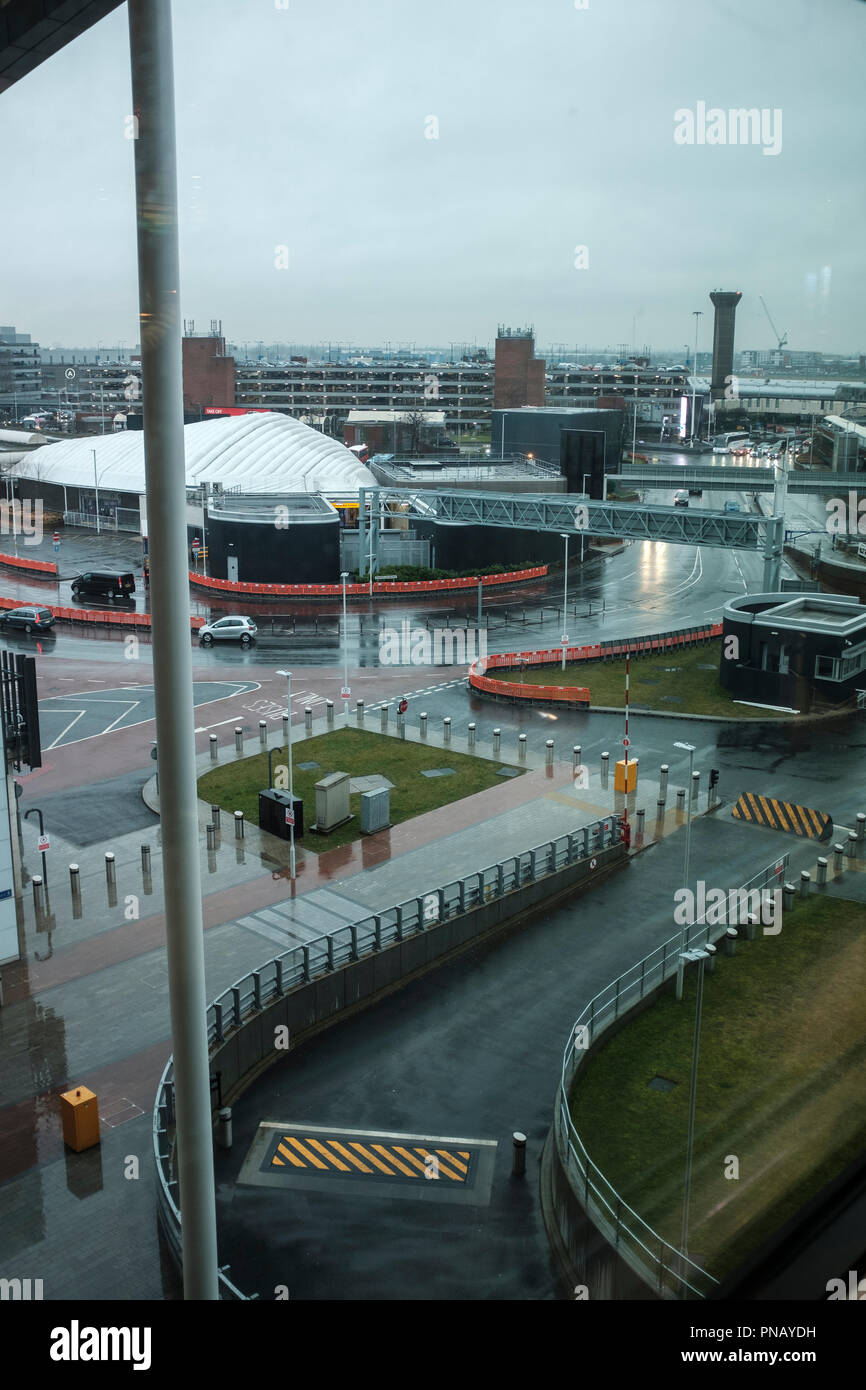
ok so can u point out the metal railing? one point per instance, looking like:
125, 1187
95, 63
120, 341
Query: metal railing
298, 966
655, 1258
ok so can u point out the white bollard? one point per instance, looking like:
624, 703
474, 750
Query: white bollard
521, 747
383, 718
109, 867
497, 734
239, 825
446, 729
308, 719
548, 753
422, 724
329, 711
663, 782
214, 746
471, 732
263, 733
239, 740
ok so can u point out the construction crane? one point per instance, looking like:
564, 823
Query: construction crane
781, 341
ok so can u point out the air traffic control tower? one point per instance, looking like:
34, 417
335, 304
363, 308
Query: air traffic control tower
725, 302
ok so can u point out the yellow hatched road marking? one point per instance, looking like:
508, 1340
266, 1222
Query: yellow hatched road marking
391, 1159
332, 1158
777, 807
410, 1156
463, 1167
335, 1144
287, 1153
383, 1167
455, 1177
310, 1157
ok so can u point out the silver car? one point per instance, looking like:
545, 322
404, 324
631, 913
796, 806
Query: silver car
231, 629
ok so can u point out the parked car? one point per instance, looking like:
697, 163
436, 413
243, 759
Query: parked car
106, 583
231, 629
681, 498
732, 506
28, 619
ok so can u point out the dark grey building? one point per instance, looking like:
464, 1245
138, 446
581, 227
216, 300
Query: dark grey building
289, 539
583, 444
794, 652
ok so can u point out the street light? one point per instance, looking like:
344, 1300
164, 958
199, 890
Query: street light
344, 576
564, 535
288, 676
96, 490
701, 954
698, 314
690, 749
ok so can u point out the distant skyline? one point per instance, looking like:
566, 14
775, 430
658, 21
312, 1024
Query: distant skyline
386, 172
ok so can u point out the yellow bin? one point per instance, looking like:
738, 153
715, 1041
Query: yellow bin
619, 776
79, 1111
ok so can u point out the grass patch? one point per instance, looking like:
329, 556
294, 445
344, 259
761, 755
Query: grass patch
780, 1086
236, 786
651, 678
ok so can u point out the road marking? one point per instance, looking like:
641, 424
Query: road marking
327, 1159
787, 816
68, 726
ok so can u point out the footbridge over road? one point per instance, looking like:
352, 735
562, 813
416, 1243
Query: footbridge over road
576, 514
735, 478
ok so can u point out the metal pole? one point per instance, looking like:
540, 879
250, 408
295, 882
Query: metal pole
96, 490
684, 1237
158, 274
344, 576
291, 786
680, 967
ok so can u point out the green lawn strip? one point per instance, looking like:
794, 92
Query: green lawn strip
650, 679
235, 787
780, 1087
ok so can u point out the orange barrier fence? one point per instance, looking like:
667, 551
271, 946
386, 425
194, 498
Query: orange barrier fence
409, 586
559, 694
95, 615
39, 567
598, 651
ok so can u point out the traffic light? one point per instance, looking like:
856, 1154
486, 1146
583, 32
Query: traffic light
714, 777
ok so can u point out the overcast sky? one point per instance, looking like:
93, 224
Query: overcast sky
307, 127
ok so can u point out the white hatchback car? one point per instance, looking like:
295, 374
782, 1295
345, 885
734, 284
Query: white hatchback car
232, 629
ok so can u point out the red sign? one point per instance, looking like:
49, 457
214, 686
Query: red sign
290, 816
196, 545
345, 692
236, 410
403, 706
626, 743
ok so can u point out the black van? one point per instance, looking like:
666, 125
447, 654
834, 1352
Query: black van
104, 583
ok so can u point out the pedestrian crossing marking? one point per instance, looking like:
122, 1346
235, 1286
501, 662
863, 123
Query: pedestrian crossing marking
787, 816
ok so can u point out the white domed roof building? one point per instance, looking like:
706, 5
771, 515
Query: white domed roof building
239, 470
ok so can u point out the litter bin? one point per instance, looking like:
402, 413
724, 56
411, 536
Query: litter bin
79, 1112
272, 813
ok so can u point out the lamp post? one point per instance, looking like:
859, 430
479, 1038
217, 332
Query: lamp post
700, 954
344, 576
288, 676
564, 535
698, 314
96, 490
690, 749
